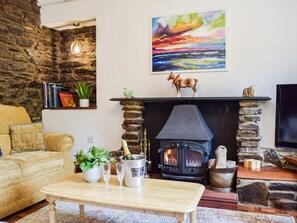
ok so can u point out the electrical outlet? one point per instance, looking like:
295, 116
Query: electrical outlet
90, 139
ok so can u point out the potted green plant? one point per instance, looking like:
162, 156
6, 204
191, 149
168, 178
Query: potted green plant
90, 162
84, 92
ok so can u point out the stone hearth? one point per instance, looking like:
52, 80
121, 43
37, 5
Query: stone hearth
270, 187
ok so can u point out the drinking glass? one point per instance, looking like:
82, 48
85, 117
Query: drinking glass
106, 175
120, 167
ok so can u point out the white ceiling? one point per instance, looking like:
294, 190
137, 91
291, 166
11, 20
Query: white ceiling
69, 24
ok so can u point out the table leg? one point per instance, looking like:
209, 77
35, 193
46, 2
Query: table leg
193, 216
82, 213
181, 217
52, 209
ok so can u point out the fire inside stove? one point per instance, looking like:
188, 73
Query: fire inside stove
170, 157
193, 159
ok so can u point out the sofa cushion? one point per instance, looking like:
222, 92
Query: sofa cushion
10, 173
37, 163
26, 137
12, 115
5, 144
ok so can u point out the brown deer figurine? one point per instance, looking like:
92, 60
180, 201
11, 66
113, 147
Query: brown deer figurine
179, 83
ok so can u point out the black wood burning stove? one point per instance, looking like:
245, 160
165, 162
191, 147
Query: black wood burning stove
184, 160
185, 145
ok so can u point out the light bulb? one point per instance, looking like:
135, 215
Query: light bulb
76, 47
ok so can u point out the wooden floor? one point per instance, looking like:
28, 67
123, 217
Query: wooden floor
17, 216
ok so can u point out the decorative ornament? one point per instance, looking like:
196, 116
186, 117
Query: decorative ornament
128, 93
249, 91
179, 83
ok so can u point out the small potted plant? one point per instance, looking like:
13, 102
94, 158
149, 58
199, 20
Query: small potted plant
84, 92
90, 162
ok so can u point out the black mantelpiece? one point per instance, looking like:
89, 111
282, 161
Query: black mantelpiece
220, 113
191, 99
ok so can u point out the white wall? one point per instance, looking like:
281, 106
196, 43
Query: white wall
262, 51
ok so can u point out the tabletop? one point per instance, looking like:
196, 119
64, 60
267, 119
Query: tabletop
155, 194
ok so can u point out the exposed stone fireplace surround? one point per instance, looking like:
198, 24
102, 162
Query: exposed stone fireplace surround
277, 194
247, 132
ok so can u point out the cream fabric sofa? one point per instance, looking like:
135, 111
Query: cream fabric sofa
23, 174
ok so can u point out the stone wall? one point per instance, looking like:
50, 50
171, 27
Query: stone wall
276, 194
28, 55
256, 192
248, 134
132, 124
31, 54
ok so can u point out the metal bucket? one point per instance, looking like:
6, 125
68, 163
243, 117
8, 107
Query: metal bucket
134, 172
222, 180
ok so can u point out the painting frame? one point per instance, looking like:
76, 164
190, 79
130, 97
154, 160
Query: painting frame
200, 46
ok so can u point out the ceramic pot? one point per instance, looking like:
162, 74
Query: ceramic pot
222, 180
84, 103
92, 175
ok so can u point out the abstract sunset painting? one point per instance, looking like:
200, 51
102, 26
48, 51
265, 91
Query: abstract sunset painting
189, 42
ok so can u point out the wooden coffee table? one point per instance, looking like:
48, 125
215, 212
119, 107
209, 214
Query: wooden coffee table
160, 197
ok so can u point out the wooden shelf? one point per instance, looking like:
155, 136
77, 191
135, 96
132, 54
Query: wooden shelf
189, 99
267, 173
75, 108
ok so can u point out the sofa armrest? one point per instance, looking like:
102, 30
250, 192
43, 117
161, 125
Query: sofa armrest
58, 142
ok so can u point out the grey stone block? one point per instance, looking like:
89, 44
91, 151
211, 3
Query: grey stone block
248, 126
250, 111
283, 185
254, 193
249, 118
249, 103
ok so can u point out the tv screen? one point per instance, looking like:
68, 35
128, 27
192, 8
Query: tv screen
286, 116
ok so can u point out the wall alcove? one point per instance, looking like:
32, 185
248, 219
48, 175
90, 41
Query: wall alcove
75, 68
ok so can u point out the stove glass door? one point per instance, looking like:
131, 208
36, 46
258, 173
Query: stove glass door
193, 158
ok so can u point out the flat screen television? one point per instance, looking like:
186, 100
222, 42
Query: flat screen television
286, 116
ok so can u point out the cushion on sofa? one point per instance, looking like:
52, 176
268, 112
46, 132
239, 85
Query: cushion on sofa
10, 173
5, 144
12, 115
37, 163
26, 137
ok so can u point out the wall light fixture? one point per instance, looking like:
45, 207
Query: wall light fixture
76, 46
